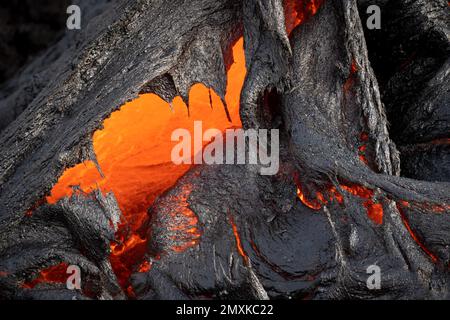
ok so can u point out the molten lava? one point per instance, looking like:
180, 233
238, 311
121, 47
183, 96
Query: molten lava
239, 246
180, 222
350, 82
133, 151
374, 210
400, 206
53, 274
297, 12
145, 267
363, 148
312, 204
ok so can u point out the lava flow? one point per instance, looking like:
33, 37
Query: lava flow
298, 11
53, 274
364, 138
400, 206
237, 237
374, 209
133, 151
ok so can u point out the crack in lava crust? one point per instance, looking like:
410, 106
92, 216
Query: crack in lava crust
133, 151
298, 11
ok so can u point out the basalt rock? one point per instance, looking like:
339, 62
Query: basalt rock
410, 58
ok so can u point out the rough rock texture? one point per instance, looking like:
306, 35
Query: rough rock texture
76, 231
258, 240
125, 47
27, 28
322, 143
286, 245
17, 93
267, 51
427, 161
285, 248
410, 57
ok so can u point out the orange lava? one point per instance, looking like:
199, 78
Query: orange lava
133, 151
363, 148
144, 267
183, 226
239, 246
400, 206
54, 274
435, 208
374, 210
298, 11
312, 204
351, 77
359, 191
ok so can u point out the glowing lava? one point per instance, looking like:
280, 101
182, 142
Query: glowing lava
350, 82
400, 206
297, 12
239, 246
363, 148
53, 274
181, 228
133, 151
374, 210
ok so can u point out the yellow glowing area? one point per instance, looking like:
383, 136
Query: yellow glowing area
134, 149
